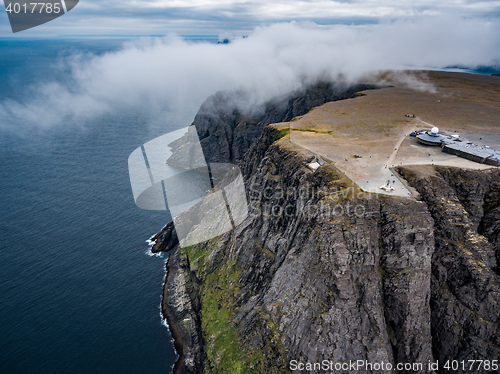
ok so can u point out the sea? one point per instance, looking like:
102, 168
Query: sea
80, 289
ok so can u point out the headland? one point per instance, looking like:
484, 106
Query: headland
341, 273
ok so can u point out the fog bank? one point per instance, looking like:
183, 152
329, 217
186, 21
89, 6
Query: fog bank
172, 76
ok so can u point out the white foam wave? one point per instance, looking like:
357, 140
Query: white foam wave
164, 320
150, 253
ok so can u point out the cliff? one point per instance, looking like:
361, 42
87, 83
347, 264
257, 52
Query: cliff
320, 270
465, 282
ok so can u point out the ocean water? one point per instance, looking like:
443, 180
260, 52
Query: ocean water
79, 292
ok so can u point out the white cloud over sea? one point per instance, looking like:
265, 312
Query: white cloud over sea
174, 76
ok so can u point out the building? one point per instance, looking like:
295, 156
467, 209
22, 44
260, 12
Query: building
432, 137
474, 152
465, 149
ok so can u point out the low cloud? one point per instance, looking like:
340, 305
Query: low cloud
254, 12
174, 76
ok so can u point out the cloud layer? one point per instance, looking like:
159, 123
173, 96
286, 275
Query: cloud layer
174, 76
209, 17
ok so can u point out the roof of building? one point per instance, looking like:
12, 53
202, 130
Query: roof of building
453, 143
432, 139
475, 150
314, 166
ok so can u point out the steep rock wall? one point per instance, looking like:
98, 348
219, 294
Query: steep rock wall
318, 271
465, 298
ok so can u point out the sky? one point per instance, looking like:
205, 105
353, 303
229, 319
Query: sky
216, 17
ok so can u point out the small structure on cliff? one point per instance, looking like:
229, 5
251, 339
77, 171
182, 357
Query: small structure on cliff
313, 166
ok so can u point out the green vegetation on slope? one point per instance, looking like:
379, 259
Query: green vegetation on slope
218, 290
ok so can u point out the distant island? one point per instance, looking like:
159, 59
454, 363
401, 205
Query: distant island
329, 268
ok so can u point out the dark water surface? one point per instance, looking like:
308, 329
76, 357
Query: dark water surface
79, 293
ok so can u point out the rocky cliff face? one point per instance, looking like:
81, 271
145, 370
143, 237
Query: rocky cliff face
465, 282
320, 270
